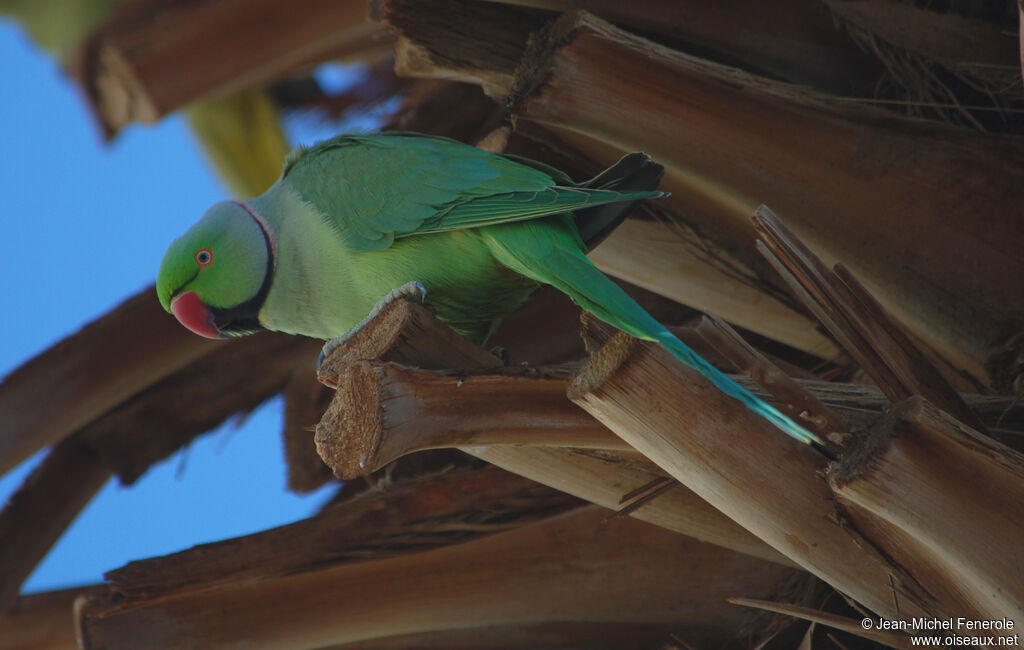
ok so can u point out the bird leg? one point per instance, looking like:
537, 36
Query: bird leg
503, 354
410, 291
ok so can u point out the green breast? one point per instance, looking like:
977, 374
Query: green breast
322, 288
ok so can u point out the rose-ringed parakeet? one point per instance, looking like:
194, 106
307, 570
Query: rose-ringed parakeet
359, 218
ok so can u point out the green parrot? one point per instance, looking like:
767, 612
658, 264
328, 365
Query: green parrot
360, 217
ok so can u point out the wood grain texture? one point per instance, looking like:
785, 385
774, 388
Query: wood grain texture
153, 57
855, 185
384, 410
107, 361
946, 503
739, 463
577, 566
36, 515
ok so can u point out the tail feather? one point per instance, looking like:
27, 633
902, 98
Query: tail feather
567, 269
633, 172
725, 384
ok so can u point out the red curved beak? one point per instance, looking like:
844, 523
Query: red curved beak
193, 314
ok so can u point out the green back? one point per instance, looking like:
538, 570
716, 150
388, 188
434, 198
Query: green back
376, 188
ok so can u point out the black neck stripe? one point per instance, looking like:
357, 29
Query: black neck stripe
245, 315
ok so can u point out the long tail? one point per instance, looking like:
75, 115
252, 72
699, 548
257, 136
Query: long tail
546, 252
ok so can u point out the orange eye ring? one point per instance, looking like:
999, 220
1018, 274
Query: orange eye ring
204, 257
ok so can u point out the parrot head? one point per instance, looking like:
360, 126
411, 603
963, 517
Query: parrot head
215, 277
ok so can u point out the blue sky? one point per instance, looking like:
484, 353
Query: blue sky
84, 226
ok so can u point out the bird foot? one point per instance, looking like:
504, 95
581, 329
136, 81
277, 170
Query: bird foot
502, 354
416, 291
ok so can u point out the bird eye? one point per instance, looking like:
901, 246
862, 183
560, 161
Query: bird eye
204, 257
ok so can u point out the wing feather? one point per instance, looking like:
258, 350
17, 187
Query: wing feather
375, 188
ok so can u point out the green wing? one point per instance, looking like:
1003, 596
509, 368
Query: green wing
376, 188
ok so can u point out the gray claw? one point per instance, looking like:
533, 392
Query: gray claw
503, 354
414, 290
